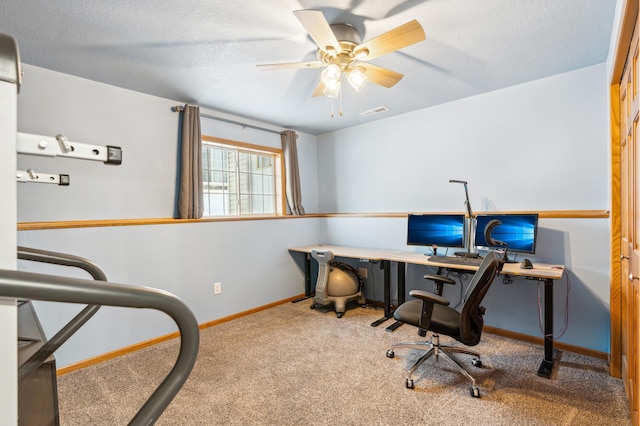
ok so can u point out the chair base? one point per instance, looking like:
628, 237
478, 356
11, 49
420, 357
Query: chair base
433, 347
339, 302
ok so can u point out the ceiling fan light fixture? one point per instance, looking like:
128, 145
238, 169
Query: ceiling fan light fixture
330, 75
357, 78
332, 90
340, 49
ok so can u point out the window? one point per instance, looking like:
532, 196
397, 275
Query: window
241, 179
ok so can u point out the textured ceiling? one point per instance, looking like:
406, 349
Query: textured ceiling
206, 52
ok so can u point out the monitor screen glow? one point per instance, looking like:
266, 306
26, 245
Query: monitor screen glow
518, 231
444, 230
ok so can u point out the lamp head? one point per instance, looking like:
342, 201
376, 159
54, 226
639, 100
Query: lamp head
466, 194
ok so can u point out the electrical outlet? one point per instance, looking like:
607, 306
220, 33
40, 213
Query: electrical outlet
217, 288
363, 272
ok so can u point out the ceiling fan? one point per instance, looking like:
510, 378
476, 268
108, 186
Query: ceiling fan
341, 52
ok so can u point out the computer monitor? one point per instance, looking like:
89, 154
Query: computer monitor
443, 230
518, 231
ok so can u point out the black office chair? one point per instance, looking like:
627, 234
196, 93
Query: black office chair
430, 312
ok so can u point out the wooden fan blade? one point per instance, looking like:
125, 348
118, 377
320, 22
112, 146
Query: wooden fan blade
318, 90
399, 37
379, 75
318, 28
313, 64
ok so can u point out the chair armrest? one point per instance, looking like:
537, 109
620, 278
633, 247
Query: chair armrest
439, 279
425, 296
438, 282
426, 311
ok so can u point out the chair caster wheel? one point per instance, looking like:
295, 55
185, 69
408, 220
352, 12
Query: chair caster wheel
339, 314
476, 363
409, 384
312, 306
475, 392
390, 353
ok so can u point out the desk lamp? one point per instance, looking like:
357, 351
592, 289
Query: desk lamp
467, 206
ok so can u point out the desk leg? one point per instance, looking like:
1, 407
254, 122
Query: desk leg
386, 266
549, 353
307, 279
401, 290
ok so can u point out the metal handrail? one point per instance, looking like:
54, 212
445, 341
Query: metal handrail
35, 286
52, 344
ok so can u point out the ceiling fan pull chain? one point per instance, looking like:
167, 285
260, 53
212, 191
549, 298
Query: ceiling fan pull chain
331, 107
340, 103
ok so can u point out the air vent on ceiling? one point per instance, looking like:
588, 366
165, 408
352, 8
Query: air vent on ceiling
374, 111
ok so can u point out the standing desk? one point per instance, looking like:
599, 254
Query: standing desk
541, 273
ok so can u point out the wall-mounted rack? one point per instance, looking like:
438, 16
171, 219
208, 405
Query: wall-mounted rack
59, 146
30, 175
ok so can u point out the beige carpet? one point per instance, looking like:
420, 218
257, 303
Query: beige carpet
291, 365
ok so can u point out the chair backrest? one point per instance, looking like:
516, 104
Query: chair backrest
322, 284
471, 321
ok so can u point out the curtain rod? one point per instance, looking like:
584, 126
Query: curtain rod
179, 108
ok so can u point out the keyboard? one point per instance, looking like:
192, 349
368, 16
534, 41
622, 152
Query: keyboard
457, 260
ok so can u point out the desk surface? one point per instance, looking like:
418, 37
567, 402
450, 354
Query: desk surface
540, 270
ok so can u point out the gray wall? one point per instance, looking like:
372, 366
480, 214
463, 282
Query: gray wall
542, 145
249, 258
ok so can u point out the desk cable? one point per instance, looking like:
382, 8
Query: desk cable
566, 312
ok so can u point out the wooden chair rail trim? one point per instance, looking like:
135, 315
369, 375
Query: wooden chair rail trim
34, 226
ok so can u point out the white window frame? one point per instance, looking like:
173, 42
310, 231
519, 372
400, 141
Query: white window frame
242, 147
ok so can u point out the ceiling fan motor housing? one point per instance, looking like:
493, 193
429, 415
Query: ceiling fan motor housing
349, 39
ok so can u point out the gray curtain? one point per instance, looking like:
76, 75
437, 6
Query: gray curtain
290, 152
190, 204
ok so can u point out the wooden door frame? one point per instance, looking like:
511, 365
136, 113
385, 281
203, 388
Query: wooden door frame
623, 43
